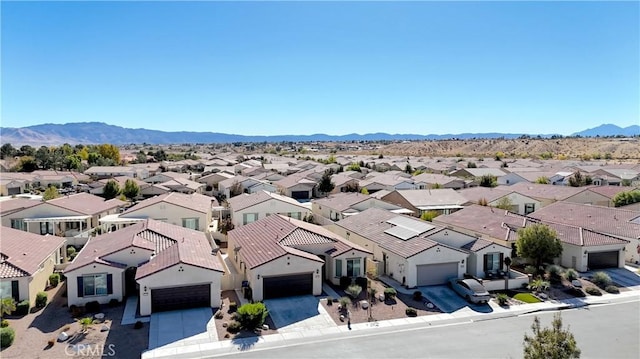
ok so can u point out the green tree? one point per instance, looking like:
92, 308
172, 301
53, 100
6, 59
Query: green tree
543, 180
326, 185
111, 190
7, 151
488, 181
110, 152
505, 203
131, 189
436, 186
364, 190
7, 306
550, 343
50, 193
577, 180
627, 197
27, 150
251, 315
72, 162
27, 164
43, 158
354, 167
141, 157
471, 165
429, 215
539, 243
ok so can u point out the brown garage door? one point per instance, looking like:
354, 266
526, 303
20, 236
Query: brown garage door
434, 274
193, 296
287, 285
603, 260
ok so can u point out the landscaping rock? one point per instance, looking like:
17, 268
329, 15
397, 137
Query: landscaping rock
430, 305
364, 304
99, 316
225, 324
63, 336
104, 328
576, 283
265, 327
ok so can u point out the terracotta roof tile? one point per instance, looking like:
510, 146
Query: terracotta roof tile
26, 251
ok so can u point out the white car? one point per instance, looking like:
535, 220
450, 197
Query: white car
470, 289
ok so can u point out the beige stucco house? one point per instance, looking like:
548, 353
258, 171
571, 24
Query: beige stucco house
248, 208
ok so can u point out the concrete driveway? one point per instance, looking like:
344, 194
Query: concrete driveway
621, 277
180, 326
301, 313
449, 301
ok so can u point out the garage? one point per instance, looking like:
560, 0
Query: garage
300, 194
287, 285
599, 260
174, 298
435, 274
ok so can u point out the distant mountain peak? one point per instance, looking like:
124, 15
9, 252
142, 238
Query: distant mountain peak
609, 129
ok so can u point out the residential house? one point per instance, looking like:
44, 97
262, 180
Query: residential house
248, 208
240, 184
404, 248
100, 172
431, 180
97, 187
26, 262
545, 193
501, 196
12, 187
167, 266
477, 172
338, 206
280, 256
297, 186
343, 183
390, 182
443, 201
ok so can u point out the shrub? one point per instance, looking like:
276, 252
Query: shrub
138, 325
571, 274
92, 307
576, 292
502, 299
54, 279
593, 291
76, 311
612, 289
5, 323
219, 315
417, 295
530, 270
85, 323
71, 252
538, 285
362, 282
601, 279
22, 308
412, 312
7, 335
344, 302
555, 273
252, 315
234, 327
41, 299
345, 282
51, 342
113, 303
389, 293
354, 291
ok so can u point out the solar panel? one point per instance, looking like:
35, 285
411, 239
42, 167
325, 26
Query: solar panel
401, 232
412, 224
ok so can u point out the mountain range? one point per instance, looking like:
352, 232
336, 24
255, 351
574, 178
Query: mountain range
98, 132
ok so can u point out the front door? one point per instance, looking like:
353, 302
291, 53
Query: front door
130, 285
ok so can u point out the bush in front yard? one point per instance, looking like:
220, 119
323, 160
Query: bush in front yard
593, 291
571, 274
5, 323
530, 270
601, 279
555, 273
354, 291
22, 308
389, 293
92, 307
251, 315
344, 302
345, 282
417, 295
234, 327
502, 299
7, 335
411, 312
41, 299
612, 289
54, 279
576, 292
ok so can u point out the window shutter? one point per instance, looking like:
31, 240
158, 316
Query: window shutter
486, 262
109, 283
501, 260
80, 287
15, 290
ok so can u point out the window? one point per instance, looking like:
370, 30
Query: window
46, 227
492, 262
191, 223
94, 284
338, 267
249, 218
18, 224
353, 267
5, 290
529, 208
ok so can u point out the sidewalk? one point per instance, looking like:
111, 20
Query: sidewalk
233, 346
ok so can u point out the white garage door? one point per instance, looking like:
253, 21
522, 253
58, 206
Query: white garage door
434, 274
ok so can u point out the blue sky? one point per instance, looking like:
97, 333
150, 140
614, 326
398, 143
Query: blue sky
263, 68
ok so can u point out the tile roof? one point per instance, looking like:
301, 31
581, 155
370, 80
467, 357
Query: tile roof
475, 194
432, 197
545, 191
580, 236
477, 245
372, 225
16, 204
86, 203
243, 201
608, 191
483, 220
194, 201
23, 252
275, 236
608, 220
342, 201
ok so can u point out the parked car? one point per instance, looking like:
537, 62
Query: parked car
470, 289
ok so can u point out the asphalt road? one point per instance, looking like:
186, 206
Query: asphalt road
601, 331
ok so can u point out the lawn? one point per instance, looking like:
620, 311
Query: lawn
526, 297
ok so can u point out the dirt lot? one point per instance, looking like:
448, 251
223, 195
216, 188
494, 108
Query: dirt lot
380, 310
229, 296
34, 330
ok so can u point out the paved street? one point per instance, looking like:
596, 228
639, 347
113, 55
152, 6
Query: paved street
602, 331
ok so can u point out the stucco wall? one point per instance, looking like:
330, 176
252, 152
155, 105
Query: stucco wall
589, 197
41, 278
173, 277
285, 265
172, 213
72, 284
475, 265
131, 256
271, 206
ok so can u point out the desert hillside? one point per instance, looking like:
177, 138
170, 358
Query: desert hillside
563, 148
